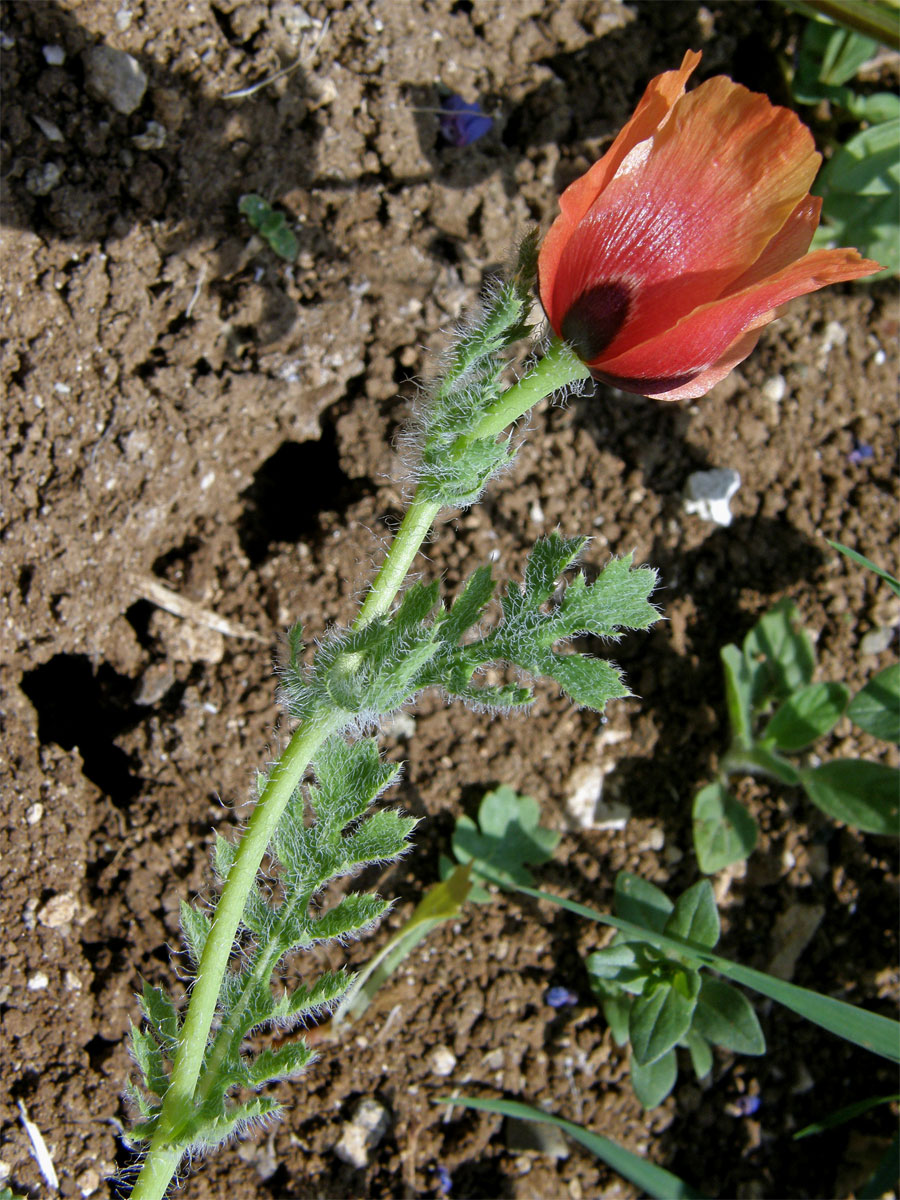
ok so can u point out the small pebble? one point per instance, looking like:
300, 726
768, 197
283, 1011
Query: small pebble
54, 55
38, 982
41, 181
708, 493
876, 640
34, 812
58, 911
774, 389
114, 77
442, 1061
50, 131
153, 137
370, 1123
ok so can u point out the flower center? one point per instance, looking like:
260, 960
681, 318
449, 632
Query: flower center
595, 318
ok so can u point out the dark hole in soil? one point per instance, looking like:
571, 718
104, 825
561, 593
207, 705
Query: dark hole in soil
289, 491
78, 707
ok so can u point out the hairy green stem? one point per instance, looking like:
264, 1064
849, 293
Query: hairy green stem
178, 1104
558, 369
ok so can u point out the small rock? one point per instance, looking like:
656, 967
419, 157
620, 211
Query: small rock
58, 911
876, 640
584, 803
55, 56
370, 1123
792, 933
38, 982
114, 77
707, 493
41, 181
536, 1138
153, 138
774, 389
494, 1060
72, 982
34, 812
154, 683
50, 131
88, 1181
442, 1061
122, 19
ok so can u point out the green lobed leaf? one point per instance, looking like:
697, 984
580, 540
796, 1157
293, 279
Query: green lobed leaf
866, 165
652, 1082
348, 917
661, 1016
469, 606
510, 835
286, 1062
779, 654
383, 836
642, 902
724, 831
861, 793
724, 1016
149, 1059
589, 682
809, 714
161, 1013
876, 708
307, 1003
195, 926
549, 558
695, 916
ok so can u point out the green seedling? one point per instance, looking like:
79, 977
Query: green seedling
777, 712
656, 1000
270, 224
860, 183
508, 835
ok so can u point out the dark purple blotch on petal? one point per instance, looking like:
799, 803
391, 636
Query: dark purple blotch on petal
595, 318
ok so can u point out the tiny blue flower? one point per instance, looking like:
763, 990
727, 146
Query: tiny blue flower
445, 1179
461, 123
860, 452
559, 997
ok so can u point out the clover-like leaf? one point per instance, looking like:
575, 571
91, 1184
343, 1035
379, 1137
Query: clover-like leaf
508, 836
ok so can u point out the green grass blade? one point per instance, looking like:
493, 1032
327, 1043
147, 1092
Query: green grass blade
862, 561
867, 1029
653, 1180
842, 1115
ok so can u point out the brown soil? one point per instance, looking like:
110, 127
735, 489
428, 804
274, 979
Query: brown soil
181, 406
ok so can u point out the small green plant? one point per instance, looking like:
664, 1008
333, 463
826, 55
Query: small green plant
270, 224
656, 1000
495, 850
860, 183
776, 710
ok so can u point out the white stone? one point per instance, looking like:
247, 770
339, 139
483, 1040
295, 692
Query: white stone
58, 911
38, 982
584, 801
707, 493
114, 77
774, 389
54, 55
442, 1061
370, 1123
34, 812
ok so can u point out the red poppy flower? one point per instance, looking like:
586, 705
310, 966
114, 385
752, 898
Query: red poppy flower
674, 250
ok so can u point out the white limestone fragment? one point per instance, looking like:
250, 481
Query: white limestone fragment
707, 493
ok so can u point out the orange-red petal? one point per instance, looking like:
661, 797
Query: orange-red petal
679, 355
719, 180
655, 105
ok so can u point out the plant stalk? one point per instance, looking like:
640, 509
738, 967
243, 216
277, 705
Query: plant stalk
558, 369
